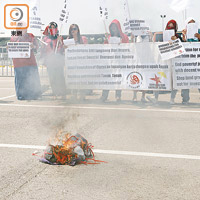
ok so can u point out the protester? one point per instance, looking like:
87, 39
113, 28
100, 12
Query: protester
27, 80
185, 92
171, 25
184, 32
53, 54
115, 31
145, 38
74, 33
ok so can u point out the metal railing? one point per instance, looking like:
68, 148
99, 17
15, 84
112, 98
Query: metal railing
7, 68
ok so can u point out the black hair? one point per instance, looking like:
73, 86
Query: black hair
57, 34
80, 41
54, 24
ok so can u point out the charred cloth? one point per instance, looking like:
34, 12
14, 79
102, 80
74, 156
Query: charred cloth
70, 150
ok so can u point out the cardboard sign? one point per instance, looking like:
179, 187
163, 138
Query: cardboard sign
19, 49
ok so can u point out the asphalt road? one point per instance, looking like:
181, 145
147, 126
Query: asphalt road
152, 151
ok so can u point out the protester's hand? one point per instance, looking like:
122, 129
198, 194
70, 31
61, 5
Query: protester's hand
31, 46
184, 31
150, 36
65, 46
132, 38
106, 36
60, 38
174, 38
197, 35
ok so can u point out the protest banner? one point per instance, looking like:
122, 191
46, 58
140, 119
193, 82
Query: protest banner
113, 66
167, 35
114, 40
103, 12
139, 27
186, 68
180, 5
35, 20
170, 50
19, 49
64, 15
127, 17
103, 9
192, 29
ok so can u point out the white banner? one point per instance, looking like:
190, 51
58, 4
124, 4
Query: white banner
170, 50
186, 68
113, 66
127, 17
35, 20
180, 5
167, 35
64, 15
103, 9
19, 49
192, 29
139, 27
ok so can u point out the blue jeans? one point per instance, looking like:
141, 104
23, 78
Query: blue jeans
27, 83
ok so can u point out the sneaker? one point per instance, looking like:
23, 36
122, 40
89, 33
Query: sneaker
152, 100
172, 102
21, 98
134, 99
185, 102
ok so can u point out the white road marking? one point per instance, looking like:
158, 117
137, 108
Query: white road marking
113, 152
101, 108
21, 146
2, 98
7, 80
7, 88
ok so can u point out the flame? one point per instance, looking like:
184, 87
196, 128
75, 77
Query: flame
63, 151
63, 148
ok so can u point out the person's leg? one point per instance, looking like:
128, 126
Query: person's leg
185, 96
135, 95
51, 74
143, 97
155, 99
173, 95
32, 83
104, 95
19, 82
156, 94
82, 95
118, 95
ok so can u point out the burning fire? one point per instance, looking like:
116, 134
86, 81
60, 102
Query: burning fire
69, 150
